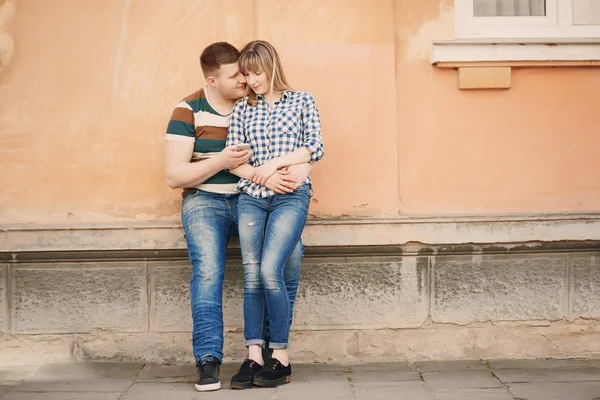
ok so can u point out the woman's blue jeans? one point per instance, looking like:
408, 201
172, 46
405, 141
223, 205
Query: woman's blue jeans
269, 230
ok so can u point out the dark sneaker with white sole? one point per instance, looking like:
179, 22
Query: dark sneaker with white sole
273, 374
208, 376
243, 379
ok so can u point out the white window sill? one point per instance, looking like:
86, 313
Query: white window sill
516, 52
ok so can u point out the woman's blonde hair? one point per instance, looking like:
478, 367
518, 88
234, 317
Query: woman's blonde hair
259, 55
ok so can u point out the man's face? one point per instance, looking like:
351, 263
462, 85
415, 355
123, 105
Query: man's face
230, 82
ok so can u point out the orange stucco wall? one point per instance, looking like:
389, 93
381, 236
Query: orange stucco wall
90, 87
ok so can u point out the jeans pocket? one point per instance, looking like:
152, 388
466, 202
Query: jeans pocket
305, 188
190, 193
302, 196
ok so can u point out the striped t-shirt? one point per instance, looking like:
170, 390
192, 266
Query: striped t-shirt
194, 119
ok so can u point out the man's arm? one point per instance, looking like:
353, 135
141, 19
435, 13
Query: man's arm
244, 171
180, 172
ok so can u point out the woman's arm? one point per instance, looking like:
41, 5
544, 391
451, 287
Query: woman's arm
311, 135
311, 151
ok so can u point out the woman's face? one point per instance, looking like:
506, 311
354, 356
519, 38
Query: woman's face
258, 81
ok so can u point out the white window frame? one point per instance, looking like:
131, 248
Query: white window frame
558, 23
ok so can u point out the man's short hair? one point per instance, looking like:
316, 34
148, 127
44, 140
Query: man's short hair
216, 55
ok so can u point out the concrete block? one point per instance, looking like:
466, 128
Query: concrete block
5, 389
170, 297
587, 374
169, 373
473, 394
372, 293
321, 389
481, 341
470, 289
439, 381
4, 312
484, 77
586, 291
595, 364
16, 373
324, 346
186, 391
72, 385
385, 377
62, 396
367, 294
88, 371
450, 366
82, 377
65, 298
400, 390
34, 349
176, 348
173, 348
382, 367
556, 391
547, 364
310, 373
418, 344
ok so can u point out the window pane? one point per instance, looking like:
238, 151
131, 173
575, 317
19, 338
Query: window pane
510, 8
586, 12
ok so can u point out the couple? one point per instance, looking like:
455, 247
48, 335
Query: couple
244, 165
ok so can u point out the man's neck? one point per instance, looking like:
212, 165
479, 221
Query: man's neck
219, 103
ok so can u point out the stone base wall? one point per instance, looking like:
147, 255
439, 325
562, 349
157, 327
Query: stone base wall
364, 303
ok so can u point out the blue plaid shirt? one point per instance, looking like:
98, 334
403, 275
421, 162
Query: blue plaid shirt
292, 122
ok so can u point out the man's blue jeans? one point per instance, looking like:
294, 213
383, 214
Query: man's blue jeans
209, 220
269, 229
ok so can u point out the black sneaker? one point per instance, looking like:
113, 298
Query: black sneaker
243, 379
273, 374
208, 376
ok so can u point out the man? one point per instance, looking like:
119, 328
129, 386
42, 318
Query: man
197, 161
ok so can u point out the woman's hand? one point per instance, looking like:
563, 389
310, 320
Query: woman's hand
297, 173
281, 183
264, 172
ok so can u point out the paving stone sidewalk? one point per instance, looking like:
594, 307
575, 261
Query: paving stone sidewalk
432, 380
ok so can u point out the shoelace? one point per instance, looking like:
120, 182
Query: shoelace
272, 364
247, 365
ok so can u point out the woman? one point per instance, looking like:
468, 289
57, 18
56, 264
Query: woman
283, 128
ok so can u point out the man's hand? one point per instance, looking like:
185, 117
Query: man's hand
280, 183
264, 172
229, 158
297, 173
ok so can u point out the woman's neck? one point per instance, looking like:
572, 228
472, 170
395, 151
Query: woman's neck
272, 97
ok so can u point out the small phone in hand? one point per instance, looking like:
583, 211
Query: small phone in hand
242, 146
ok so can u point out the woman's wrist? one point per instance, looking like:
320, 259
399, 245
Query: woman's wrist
276, 162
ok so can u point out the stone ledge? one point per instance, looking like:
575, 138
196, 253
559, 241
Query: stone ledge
580, 339
311, 252
318, 233
583, 51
